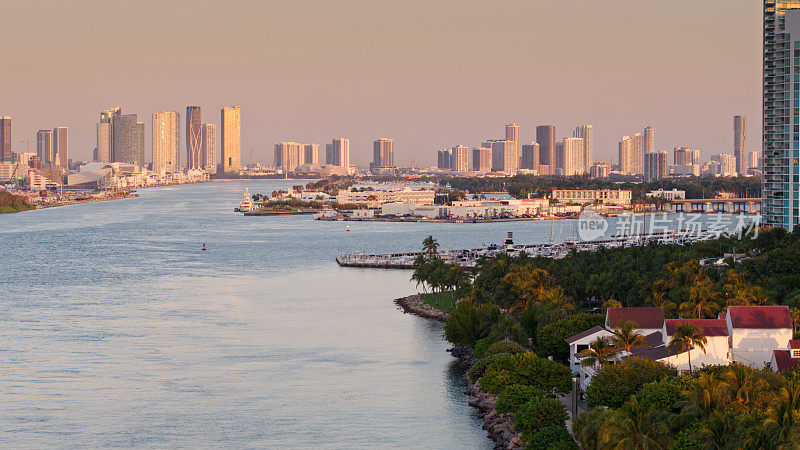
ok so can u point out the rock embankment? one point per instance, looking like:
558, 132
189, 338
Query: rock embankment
500, 427
413, 304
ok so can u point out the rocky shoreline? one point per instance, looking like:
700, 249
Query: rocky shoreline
499, 426
413, 304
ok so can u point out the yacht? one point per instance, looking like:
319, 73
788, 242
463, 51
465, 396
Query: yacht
246, 204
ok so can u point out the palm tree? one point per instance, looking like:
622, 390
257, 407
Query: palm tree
744, 386
795, 319
430, 247
600, 352
635, 427
722, 431
555, 304
685, 338
707, 394
626, 336
783, 412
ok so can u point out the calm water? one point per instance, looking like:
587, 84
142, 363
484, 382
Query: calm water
117, 330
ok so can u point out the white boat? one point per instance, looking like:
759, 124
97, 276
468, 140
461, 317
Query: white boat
247, 203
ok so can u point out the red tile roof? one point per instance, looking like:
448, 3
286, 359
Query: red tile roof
761, 317
710, 327
644, 317
783, 361
583, 334
794, 344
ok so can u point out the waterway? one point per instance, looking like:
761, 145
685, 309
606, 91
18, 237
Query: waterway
117, 329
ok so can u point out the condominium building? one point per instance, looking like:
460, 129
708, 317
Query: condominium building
740, 144
781, 75
105, 135
631, 154
649, 140
289, 155
504, 156
459, 158
586, 132
44, 146
482, 159
167, 141
570, 158
194, 137
727, 164
600, 169
231, 122
443, 158
655, 166
128, 143
529, 159
546, 138
383, 153
5, 138
311, 154
61, 146
754, 160
512, 135
208, 150
685, 156
337, 153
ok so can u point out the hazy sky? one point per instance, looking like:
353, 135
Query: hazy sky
430, 74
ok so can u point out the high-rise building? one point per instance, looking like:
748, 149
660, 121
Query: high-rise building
655, 165
382, 153
482, 159
208, 150
504, 157
105, 134
231, 121
443, 159
311, 154
600, 169
740, 143
530, 157
569, 157
780, 183
649, 140
194, 138
60, 146
128, 134
546, 138
754, 161
44, 146
337, 153
512, 134
459, 158
586, 132
289, 155
167, 141
5, 138
727, 164
631, 154
685, 156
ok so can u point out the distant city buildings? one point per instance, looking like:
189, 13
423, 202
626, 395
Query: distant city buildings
570, 158
44, 146
631, 154
600, 169
60, 146
337, 153
5, 138
289, 155
382, 154
455, 159
105, 135
194, 137
311, 154
546, 138
586, 132
655, 166
727, 164
167, 141
128, 139
740, 144
504, 158
482, 159
231, 138
208, 150
529, 160
512, 135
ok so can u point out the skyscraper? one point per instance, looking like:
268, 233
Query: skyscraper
383, 153
105, 134
530, 156
289, 155
570, 157
512, 134
166, 141
311, 154
586, 132
740, 143
727, 163
443, 158
209, 148
459, 158
685, 156
631, 154
128, 144
337, 153
482, 159
231, 138
780, 184
60, 146
5, 138
504, 158
194, 138
546, 138
649, 141
44, 146
655, 166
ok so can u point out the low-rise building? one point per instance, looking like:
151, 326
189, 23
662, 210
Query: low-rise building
618, 197
673, 194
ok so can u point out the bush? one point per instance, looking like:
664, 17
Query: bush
499, 360
505, 347
551, 339
551, 438
613, 385
479, 352
516, 395
529, 370
589, 426
662, 395
536, 415
463, 326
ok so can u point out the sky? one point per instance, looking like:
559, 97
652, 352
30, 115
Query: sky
429, 74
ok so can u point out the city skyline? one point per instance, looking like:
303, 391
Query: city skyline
422, 114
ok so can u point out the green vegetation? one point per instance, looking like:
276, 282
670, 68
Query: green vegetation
13, 203
444, 301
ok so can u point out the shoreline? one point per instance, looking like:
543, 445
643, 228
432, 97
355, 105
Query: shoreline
499, 427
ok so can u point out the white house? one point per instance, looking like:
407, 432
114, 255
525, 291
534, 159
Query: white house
786, 359
756, 331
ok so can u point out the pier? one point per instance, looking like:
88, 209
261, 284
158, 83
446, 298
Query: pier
469, 257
